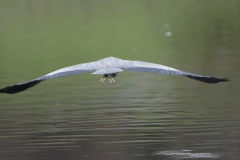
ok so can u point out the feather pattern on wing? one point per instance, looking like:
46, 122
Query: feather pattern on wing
139, 66
76, 69
110, 65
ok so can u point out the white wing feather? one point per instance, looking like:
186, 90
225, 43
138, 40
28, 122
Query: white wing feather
139, 66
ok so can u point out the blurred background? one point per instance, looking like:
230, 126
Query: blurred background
142, 115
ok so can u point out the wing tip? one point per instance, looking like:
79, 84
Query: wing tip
225, 79
209, 79
19, 87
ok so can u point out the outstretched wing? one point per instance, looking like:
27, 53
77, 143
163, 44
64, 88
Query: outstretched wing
139, 66
77, 69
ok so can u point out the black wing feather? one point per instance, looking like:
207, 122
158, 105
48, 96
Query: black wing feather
19, 87
208, 79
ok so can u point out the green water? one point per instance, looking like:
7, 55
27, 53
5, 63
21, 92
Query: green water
142, 115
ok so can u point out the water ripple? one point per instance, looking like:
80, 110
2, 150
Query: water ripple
188, 154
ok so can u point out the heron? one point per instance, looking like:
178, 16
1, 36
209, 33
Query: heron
109, 67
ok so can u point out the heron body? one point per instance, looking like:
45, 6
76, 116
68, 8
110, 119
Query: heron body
109, 67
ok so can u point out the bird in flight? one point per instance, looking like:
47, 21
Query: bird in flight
109, 67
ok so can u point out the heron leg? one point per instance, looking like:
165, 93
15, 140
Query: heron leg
111, 79
112, 76
102, 80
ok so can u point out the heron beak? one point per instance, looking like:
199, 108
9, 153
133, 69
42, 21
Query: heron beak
102, 80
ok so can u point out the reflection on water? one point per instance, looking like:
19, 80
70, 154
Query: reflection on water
142, 115
188, 154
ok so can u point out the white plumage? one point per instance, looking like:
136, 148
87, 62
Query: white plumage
108, 66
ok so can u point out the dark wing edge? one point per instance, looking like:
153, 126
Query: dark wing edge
208, 79
19, 87
23, 86
160, 69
